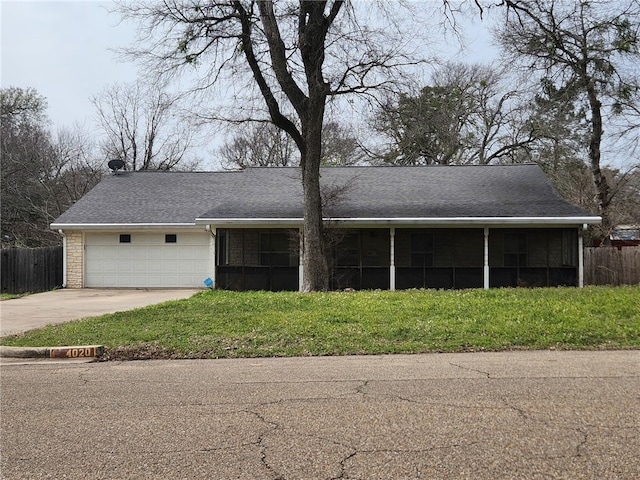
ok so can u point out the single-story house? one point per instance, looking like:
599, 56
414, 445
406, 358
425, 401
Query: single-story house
387, 228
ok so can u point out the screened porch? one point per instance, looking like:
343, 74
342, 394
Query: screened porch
402, 258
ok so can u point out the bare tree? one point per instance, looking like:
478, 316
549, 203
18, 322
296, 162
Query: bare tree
42, 174
25, 141
141, 128
580, 46
295, 56
72, 169
258, 145
265, 145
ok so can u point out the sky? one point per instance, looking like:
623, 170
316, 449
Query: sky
65, 50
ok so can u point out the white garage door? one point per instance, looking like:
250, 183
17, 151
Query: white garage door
146, 259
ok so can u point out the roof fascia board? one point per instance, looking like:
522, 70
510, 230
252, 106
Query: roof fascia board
225, 222
479, 221
120, 226
297, 222
485, 221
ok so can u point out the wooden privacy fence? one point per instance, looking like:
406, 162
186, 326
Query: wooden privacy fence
30, 269
610, 266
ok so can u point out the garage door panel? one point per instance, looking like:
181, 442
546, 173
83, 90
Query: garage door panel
147, 261
171, 267
155, 268
114, 268
171, 253
110, 281
158, 280
142, 280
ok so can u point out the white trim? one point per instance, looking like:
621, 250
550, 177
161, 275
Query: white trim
301, 259
213, 238
84, 260
580, 260
64, 258
472, 220
485, 268
492, 221
123, 226
237, 222
392, 259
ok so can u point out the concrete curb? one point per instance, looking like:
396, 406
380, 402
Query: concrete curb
75, 352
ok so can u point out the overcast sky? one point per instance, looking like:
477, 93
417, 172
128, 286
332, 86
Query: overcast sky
64, 49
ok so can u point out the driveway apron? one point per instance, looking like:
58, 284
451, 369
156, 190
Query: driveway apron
59, 306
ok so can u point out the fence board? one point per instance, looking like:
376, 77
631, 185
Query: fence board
610, 266
30, 269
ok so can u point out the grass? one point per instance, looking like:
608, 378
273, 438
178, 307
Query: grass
9, 296
215, 324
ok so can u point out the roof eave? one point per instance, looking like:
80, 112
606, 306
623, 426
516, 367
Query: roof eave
577, 220
229, 222
120, 226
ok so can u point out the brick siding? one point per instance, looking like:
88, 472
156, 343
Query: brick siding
75, 257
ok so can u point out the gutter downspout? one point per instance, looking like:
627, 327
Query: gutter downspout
64, 258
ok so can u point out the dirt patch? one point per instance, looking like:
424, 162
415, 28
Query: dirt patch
147, 351
153, 351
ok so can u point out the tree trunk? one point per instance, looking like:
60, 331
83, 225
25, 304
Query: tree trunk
312, 31
316, 275
600, 181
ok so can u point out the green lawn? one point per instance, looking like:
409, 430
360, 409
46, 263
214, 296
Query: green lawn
214, 324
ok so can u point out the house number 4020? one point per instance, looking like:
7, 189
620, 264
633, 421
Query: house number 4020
80, 352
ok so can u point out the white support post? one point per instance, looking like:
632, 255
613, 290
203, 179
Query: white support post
486, 258
392, 260
301, 260
580, 260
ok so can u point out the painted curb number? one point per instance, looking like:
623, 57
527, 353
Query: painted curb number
73, 352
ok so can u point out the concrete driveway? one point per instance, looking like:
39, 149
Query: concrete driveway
35, 311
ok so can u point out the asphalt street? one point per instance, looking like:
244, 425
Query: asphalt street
529, 415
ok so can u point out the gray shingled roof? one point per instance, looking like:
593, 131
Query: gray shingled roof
436, 192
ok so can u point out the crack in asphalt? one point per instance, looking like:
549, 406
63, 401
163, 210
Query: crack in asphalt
360, 388
354, 452
342, 464
487, 374
273, 427
268, 429
585, 439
